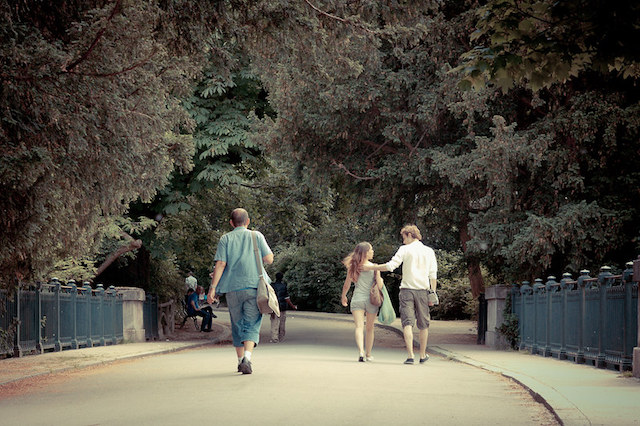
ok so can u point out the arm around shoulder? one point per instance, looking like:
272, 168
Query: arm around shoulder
374, 267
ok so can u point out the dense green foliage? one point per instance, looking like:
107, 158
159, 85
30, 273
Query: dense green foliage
91, 120
331, 122
222, 107
542, 42
456, 299
282, 206
521, 182
314, 271
509, 327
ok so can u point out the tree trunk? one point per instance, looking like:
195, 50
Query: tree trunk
475, 278
473, 265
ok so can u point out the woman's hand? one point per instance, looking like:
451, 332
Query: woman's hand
345, 289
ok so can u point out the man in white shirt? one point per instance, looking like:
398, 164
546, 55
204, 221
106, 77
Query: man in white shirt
419, 275
190, 282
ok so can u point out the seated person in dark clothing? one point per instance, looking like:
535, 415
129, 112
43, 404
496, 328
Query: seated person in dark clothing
193, 308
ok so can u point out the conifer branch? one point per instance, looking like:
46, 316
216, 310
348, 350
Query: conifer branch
85, 55
349, 173
337, 18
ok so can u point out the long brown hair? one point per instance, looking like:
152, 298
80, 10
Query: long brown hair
356, 259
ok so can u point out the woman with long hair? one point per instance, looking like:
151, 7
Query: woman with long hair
360, 303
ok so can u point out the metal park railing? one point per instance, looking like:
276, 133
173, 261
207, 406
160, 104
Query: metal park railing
591, 320
54, 316
150, 317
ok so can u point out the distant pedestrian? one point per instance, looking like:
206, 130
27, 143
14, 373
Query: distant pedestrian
419, 275
360, 303
236, 275
278, 325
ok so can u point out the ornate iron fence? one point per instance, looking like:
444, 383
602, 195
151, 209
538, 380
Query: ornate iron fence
590, 320
150, 317
54, 316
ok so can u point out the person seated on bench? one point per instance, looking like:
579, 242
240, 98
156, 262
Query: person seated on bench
193, 308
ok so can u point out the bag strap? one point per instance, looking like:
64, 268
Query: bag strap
374, 283
255, 250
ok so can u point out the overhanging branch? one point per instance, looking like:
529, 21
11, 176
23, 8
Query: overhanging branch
349, 173
86, 54
337, 18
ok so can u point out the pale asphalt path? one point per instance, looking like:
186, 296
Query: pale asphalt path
312, 378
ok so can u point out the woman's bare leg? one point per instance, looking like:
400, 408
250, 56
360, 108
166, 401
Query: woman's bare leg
371, 322
358, 319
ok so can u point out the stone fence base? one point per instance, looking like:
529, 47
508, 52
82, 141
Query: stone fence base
133, 313
496, 298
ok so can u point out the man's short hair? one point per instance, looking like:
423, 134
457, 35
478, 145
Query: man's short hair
413, 231
239, 217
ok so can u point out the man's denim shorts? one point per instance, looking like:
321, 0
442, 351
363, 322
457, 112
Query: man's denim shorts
246, 319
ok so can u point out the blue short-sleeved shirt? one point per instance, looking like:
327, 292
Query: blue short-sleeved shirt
236, 250
193, 297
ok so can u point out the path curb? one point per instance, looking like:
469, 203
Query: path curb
225, 335
563, 410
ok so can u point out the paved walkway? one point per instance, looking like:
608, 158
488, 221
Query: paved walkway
577, 394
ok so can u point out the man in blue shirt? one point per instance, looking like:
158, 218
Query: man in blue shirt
236, 275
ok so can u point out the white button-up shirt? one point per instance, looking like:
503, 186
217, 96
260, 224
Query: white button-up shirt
419, 265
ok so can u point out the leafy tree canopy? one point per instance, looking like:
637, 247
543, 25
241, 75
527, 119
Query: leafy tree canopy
542, 42
100, 113
92, 117
283, 205
523, 182
225, 101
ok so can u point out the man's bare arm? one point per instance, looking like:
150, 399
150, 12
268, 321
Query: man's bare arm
215, 278
374, 267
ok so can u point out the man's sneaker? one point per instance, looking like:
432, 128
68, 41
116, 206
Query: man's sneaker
245, 366
361, 359
409, 361
425, 359
369, 358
